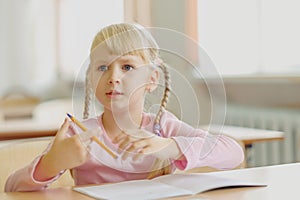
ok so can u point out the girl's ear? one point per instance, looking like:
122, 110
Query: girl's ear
152, 85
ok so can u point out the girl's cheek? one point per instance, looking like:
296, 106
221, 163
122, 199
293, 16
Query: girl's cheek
96, 76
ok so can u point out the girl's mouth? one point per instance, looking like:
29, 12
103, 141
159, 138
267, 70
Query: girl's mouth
113, 93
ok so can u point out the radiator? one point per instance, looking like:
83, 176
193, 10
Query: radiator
271, 152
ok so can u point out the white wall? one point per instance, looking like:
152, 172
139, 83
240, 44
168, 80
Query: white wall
27, 45
263, 91
193, 101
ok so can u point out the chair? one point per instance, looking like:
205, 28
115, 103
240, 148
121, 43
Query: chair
14, 154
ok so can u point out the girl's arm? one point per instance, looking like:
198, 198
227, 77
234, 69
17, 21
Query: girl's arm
23, 179
65, 152
186, 146
201, 148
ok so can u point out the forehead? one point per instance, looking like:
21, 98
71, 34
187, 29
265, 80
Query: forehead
104, 55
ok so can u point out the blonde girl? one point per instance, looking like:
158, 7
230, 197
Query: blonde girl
124, 67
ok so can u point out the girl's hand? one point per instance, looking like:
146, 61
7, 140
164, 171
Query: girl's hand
141, 142
65, 153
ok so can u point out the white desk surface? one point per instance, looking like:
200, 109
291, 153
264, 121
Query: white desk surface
282, 183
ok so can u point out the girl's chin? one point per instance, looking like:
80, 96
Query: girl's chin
118, 108
121, 107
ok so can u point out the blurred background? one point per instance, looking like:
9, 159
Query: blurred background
254, 45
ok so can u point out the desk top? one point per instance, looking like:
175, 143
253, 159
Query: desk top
16, 129
280, 179
246, 135
47, 118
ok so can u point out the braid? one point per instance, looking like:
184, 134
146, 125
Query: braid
88, 94
161, 167
164, 100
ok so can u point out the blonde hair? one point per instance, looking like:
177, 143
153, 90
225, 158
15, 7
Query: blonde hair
126, 38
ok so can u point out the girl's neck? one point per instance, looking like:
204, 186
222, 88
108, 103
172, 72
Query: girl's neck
114, 123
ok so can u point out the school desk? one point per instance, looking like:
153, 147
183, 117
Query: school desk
20, 129
17, 129
282, 183
47, 118
247, 136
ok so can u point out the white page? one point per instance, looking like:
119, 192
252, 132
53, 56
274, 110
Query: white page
133, 190
198, 183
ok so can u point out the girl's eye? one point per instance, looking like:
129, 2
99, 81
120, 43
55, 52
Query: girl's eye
102, 68
127, 67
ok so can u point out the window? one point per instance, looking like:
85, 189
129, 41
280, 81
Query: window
40, 39
78, 22
251, 37
27, 50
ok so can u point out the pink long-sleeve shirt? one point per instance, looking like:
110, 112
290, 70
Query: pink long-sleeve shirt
199, 148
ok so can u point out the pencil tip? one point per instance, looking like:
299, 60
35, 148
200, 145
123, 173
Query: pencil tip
69, 115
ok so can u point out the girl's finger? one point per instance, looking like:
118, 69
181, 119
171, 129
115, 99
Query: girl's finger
88, 148
119, 138
137, 145
63, 129
86, 137
127, 140
135, 148
147, 150
137, 156
124, 144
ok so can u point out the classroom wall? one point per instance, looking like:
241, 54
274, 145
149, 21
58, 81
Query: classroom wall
171, 15
278, 91
174, 15
260, 91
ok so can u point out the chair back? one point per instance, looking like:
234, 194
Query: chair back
15, 154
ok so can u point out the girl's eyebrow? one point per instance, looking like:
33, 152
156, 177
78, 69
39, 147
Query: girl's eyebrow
124, 58
127, 58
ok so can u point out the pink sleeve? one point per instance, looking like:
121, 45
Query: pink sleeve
201, 148
23, 180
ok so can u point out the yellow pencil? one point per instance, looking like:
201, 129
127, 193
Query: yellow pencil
82, 127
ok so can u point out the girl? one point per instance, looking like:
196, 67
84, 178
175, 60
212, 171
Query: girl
124, 67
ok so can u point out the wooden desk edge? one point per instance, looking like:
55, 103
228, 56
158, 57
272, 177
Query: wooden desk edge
27, 134
251, 141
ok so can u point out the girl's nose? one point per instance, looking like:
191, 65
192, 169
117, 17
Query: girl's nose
113, 81
114, 77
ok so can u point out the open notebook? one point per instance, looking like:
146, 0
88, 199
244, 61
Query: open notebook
162, 187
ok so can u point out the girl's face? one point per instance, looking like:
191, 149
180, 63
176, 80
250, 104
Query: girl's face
120, 82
